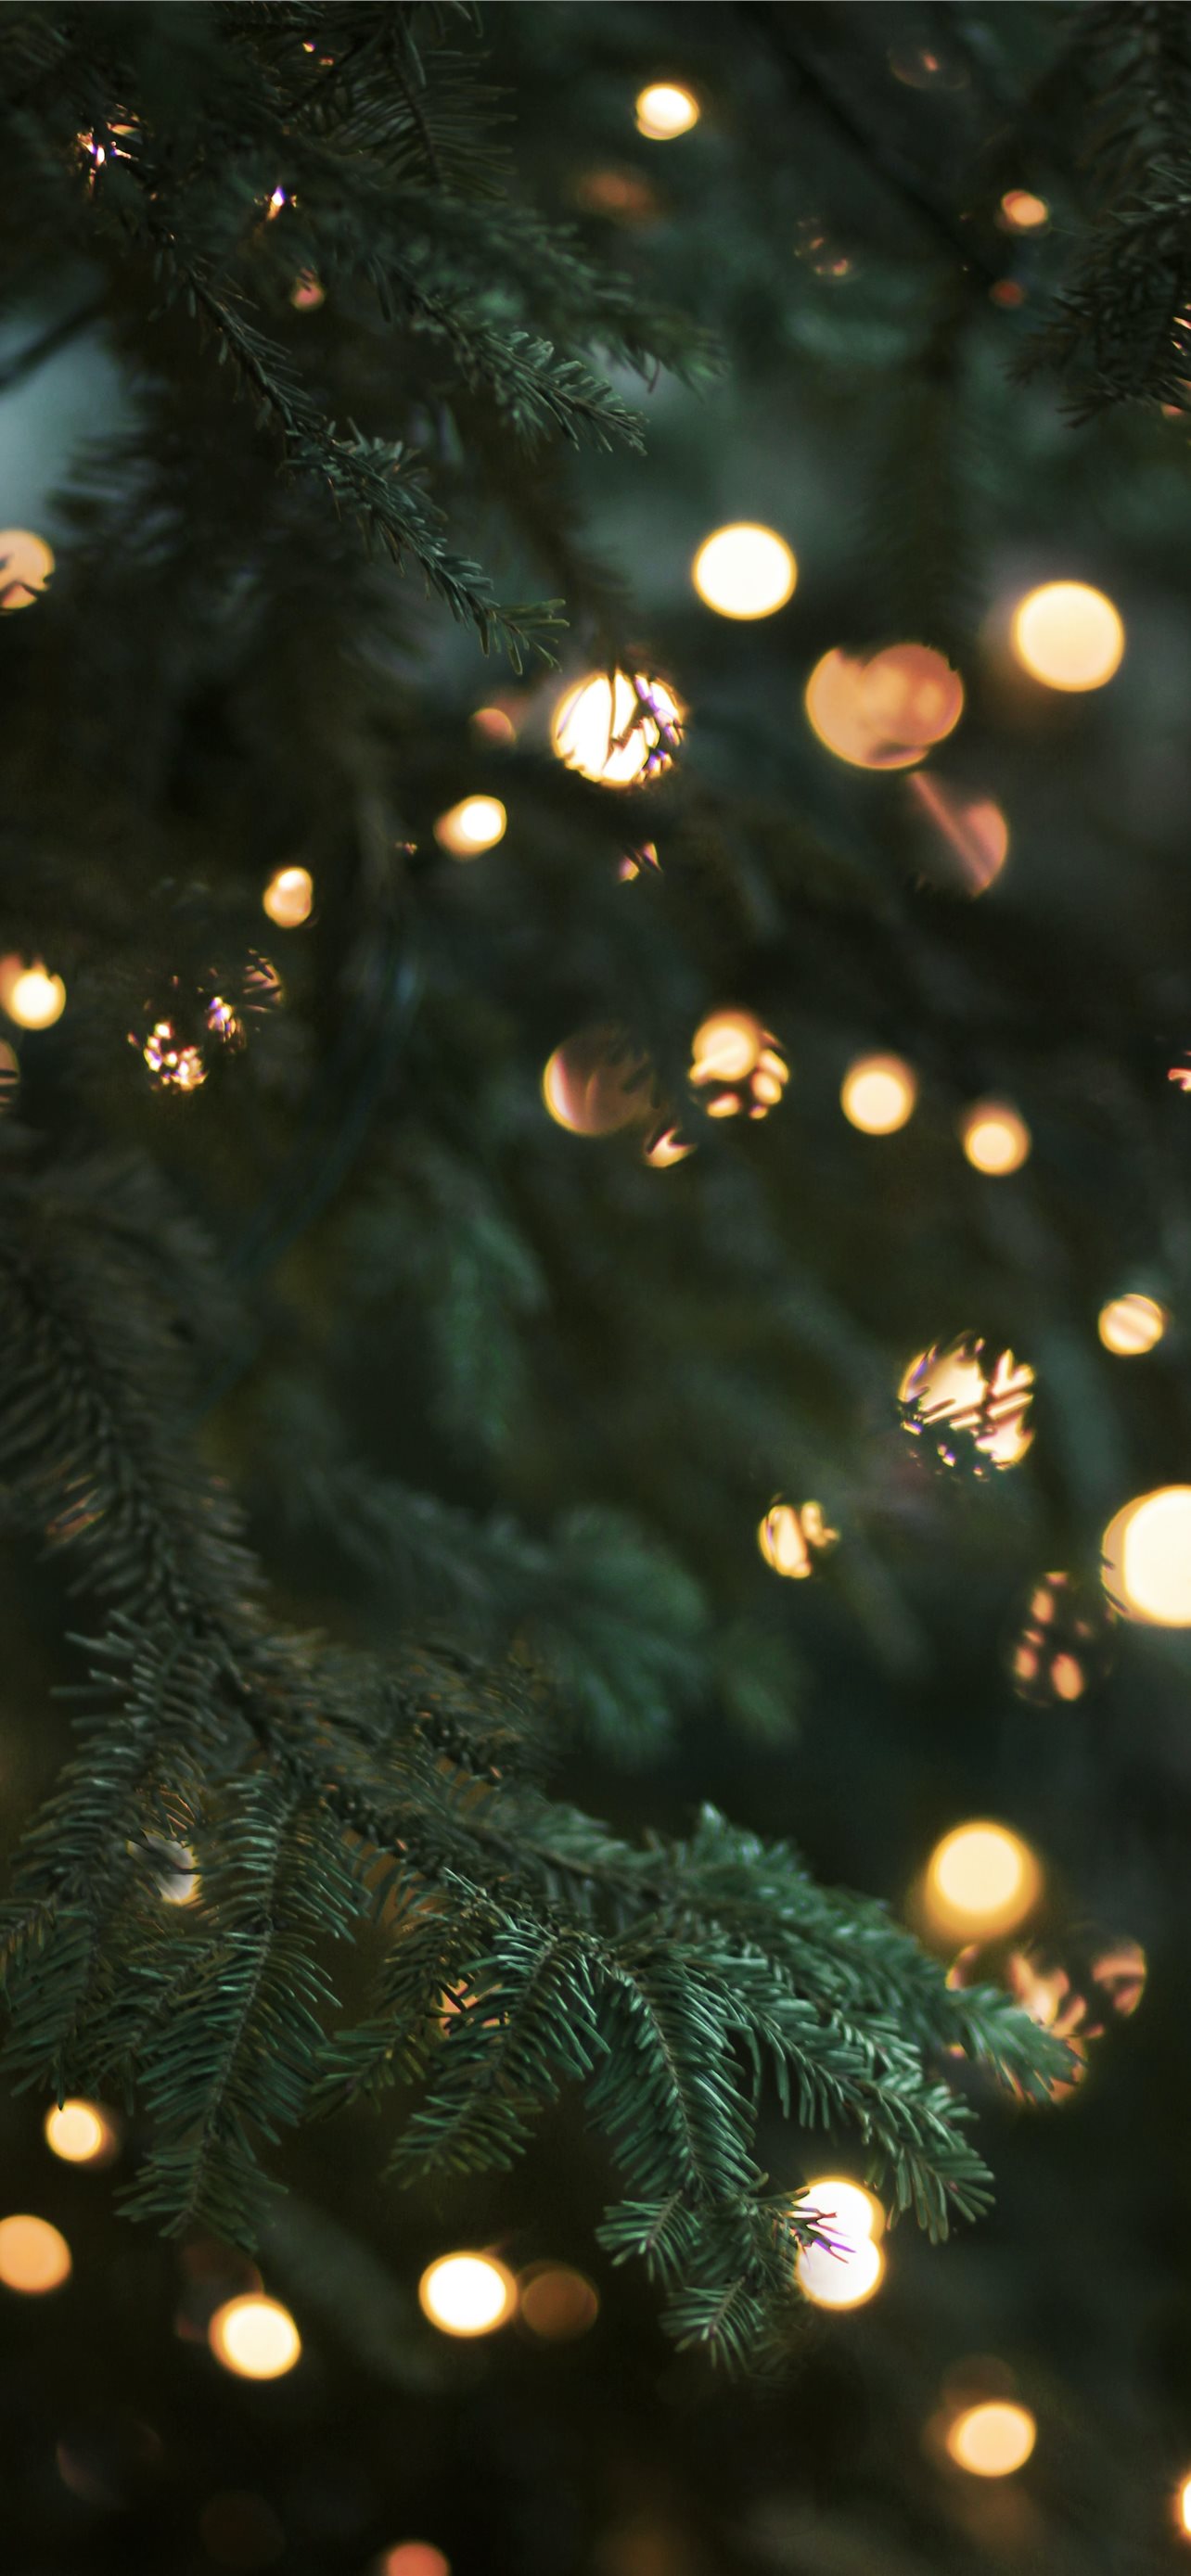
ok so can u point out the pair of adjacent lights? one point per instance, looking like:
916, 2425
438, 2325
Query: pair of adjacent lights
879, 1093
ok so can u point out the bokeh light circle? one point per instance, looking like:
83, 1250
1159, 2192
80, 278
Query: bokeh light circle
1147, 1558
467, 2294
1068, 635
744, 571
992, 2440
878, 1094
981, 1879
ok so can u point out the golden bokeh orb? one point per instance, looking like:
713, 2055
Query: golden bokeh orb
1132, 1324
1068, 635
80, 2133
556, 2302
594, 1084
477, 823
619, 732
289, 897
886, 712
878, 1094
1182, 2506
255, 2337
995, 1138
492, 725
26, 563
846, 2208
841, 2276
981, 1879
412, 2558
993, 2439
32, 998
789, 1537
1147, 1558
34, 2257
467, 2294
1023, 212
665, 110
744, 571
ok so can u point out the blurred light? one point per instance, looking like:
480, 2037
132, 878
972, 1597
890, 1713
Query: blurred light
994, 1137
631, 864
1121, 1972
618, 732
31, 997
178, 1881
843, 2277
1008, 292
493, 726
26, 563
1068, 635
594, 1084
10, 1075
1133, 1324
992, 2440
886, 712
878, 1094
306, 293
276, 202
557, 2303
413, 2558
981, 1878
667, 1147
927, 66
467, 2294
973, 835
288, 897
240, 2530
967, 1406
1022, 212
174, 1064
476, 824
789, 1538
665, 110
1183, 2506
34, 2257
744, 571
821, 251
254, 2336
732, 1047
846, 2207
623, 195
1147, 1558
80, 2133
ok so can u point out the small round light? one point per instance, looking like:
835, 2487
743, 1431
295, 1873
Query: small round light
878, 1094
255, 2337
981, 1879
1147, 1558
1023, 212
840, 2278
26, 563
476, 824
884, 713
995, 1138
412, 2558
992, 2440
594, 1084
1130, 1325
744, 571
556, 2302
1068, 635
31, 997
846, 2208
492, 725
467, 2294
618, 732
80, 2133
665, 110
288, 897
34, 2257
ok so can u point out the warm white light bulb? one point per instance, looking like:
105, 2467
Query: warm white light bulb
1068, 635
476, 824
981, 1879
1147, 1558
1132, 1325
255, 2337
32, 998
878, 1094
993, 2439
288, 897
842, 2277
79, 2133
665, 110
467, 2294
995, 1138
611, 731
744, 571
34, 2257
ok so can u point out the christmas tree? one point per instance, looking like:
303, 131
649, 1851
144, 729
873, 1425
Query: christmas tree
594, 1259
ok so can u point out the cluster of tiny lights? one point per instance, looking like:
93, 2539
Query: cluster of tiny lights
34, 2257
731, 1049
1068, 635
845, 2273
617, 732
289, 897
1147, 1558
887, 712
878, 1094
992, 2440
476, 824
32, 998
26, 563
1023, 212
1131, 1325
995, 1138
665, 110
981, 1879
467, 2294
744, 571
80, 2133
255, 2337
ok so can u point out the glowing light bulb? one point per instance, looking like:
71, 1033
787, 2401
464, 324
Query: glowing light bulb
1183, 2506
288, 897
1130, 1325
1068, 635
1147, 1558
1023, 212
593, 1084
995, 1138
886, 712
619, 732
34, 2257
80, 2133
665, 110
255, 2337
744, 571
790, 1539
31, 997
492, 725
467, 2294
476, 824
557, 2303
307, 292
842, 2275
992, 2440
667, 1147
412, 2558
878, 1094
981, 1879
846, 2208
26, 563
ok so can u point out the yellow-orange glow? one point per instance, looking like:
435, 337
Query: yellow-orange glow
80, 2133
732, 1048
288, 897
32, 998
1133, 1324
849, 2211
994, 1137
665, 110
467, 2294
886, 712
255, 2337
981, 1879
594, 1085
972, 834
878, 1094
307, 293
1147, 1558
1068, 635
476, 824
841, 2276
557, 2303
10, 1074
668, 1147
790, 1538
992, 2440
1183, 2507
492, 725
955, 1394
744, 571
34, 2257
413, 2558
175, 1063
619, 732
26, 563
1023, 212
275, 204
